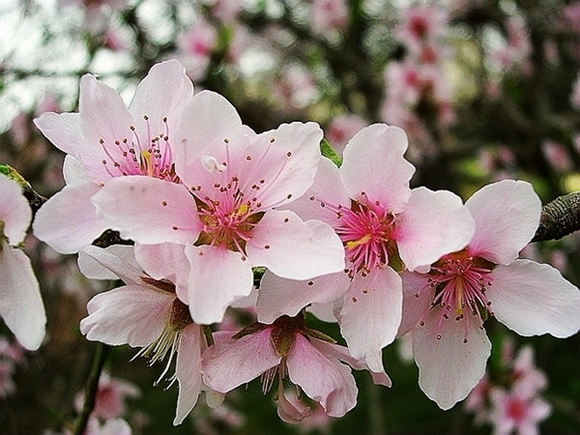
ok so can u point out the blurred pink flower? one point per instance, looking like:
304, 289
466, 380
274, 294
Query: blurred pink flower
422, 26
114, 426
575, 95
341, 129
110, 397
328, 15
447, 306
194, 48
21, 305
7, 384
528, 381
517, 48
557, 155
296, 87
513, 413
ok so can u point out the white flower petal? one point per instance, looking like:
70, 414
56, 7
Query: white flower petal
15, 213
449, 368
294, 249
507, 214
534, 299
21, 304
68, 221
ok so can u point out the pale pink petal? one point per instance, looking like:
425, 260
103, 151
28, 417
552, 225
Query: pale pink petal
342, 353
21, 304
148, 210
371, 314
507, 214
68, 220
291, 412
187, 371
131, 315
286, 159
415, 301
279, 296
163, 261
15, 212
163, 93
324, 312
325, 380
230, 364
117, 259
217, 277
373, 163
448, 367
103, 114
64, 131
206, 121
93, 269
432, 225
534, 299
294, 249
327, 189
73, 171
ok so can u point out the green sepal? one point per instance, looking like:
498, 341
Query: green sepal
315, 333
394, 259
328, 152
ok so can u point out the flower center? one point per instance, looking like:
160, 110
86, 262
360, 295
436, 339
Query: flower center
167, 343
134, 156
460, 281
228, 219
516, 409
365, 231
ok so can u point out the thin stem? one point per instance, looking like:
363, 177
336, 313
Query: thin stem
101, 355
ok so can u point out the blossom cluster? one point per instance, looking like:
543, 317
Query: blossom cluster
198, 214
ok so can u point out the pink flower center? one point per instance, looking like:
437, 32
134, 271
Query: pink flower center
228, 219
365, 231
516, 409
460, 282
419, 26
134, 156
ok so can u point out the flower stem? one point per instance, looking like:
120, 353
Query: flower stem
101, 355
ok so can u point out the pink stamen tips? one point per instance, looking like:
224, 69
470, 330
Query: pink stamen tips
460, 281
365, 230
153, 158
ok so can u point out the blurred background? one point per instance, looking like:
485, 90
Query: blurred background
485, 89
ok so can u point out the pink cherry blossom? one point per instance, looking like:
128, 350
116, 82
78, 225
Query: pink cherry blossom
384, 226
114, 426
229, 221
528, 379
328, 15
21, 305
105, 140
514, 413
447, 306
421, 26
194, 48
575, 95
110, 397
342, 129
286, 349
146, 313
